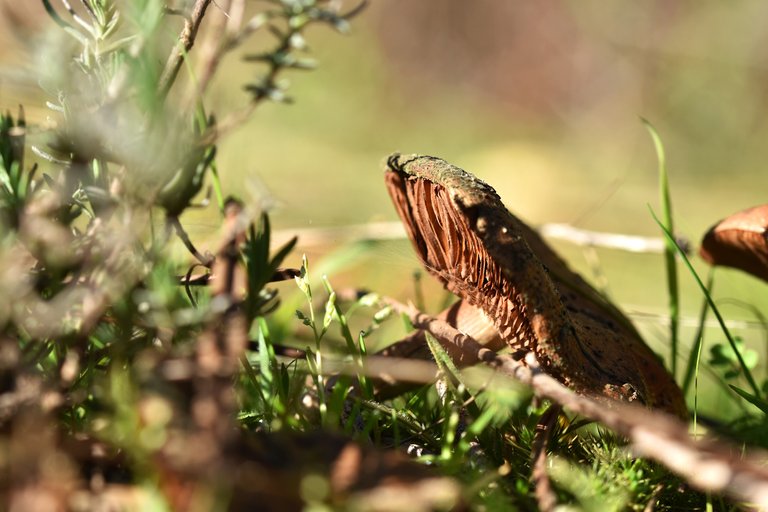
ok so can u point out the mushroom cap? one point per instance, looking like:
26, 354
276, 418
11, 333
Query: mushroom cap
466, 237
739, 241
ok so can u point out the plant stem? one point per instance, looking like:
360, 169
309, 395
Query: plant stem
183, 46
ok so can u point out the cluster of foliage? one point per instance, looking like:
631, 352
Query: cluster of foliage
117, 361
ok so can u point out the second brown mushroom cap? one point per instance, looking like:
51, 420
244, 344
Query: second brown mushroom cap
740, 241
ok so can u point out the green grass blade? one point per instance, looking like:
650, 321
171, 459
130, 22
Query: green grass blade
266, 359
444, 362
669, 250
729, 337
698, 341
365, 383
754, 400
339, 315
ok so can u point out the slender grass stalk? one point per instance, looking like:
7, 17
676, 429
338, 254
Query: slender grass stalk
314, 357
669, 251
697, 360
266, 358
698, 340
729, 337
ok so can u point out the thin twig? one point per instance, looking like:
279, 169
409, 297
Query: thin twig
705, 464
205, 259
210, 52
395, 230
225, 34
267, 86
578, 236
183, 46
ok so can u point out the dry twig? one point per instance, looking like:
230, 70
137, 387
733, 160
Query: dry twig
183, 46
555, 231
223, 34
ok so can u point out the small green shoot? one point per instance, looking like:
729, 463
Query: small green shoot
260, 267
670, 248
692, 368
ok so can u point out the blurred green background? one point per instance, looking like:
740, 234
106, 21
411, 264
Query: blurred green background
541, 99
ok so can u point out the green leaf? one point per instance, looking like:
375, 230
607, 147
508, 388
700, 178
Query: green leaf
754, 400
443, 360
281, 254
304, 319
382, 315
365, 383
339, 314
267, 363
83, 40
302, 281
724, 357
330, 311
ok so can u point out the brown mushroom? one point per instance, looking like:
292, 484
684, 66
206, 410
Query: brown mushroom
493, 261
740, 241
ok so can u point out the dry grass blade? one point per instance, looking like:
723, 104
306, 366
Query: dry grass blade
740, 241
